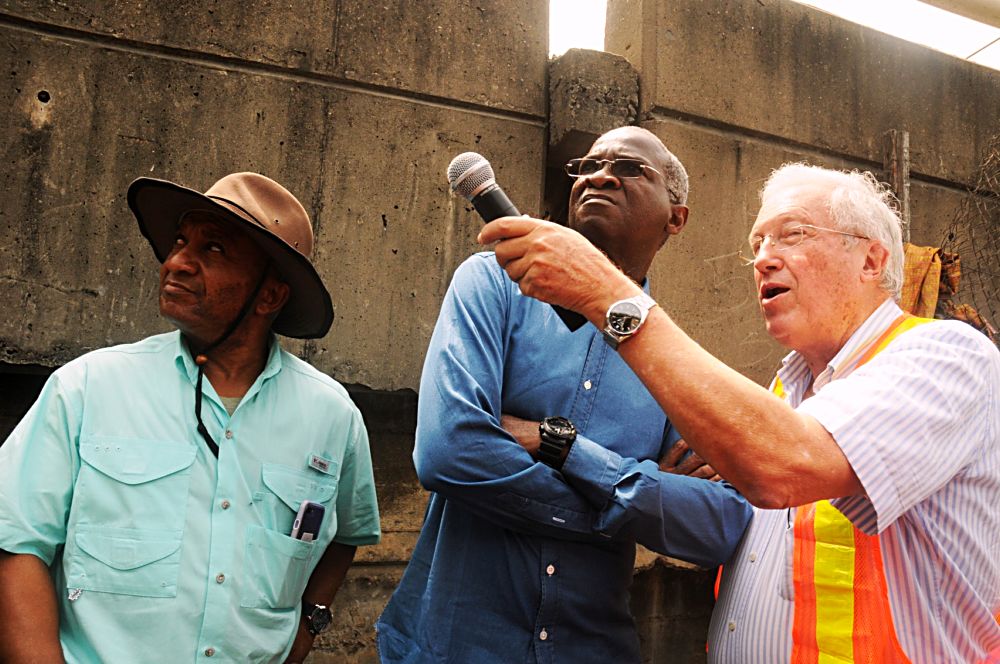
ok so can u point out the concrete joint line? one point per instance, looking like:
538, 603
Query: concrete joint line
227, 63
731, 131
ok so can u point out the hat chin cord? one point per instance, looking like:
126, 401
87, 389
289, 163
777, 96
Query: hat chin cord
201, 359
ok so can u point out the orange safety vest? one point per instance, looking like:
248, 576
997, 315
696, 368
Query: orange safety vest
841, 600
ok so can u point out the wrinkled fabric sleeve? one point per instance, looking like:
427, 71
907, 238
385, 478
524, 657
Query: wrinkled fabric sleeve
357, 505
464, 454
912, 418
38, 464
684, 517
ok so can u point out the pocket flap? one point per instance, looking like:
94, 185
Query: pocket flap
294, 486
127, 548
134, 460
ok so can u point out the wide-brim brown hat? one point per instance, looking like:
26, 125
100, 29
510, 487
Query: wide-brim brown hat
268, 213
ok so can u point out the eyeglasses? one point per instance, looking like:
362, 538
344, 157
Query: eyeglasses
620, 168
789, 236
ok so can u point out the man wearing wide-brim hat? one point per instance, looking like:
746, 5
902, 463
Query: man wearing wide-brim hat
148, 498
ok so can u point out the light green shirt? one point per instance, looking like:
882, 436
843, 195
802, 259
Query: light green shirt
160, 552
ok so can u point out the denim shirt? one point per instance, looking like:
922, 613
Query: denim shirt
160, 552
517, 562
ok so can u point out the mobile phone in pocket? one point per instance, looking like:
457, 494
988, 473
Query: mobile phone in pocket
307, 521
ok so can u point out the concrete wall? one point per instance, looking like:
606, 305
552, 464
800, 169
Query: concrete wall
358, 108
357, 111
737, 88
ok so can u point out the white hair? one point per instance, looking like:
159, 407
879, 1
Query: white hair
857, 203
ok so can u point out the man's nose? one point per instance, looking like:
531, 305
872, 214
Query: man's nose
603, 178
180, 260
768, 257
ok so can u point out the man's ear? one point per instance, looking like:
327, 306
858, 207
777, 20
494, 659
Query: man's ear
876, 259
272, 297
678, 217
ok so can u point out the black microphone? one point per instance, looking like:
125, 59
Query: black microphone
471, 176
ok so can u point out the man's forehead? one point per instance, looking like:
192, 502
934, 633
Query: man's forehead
629, 141
208, 222
804, 203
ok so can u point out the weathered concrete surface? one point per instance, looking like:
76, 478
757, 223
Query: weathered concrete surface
699, 278
85, 120
590, 92
672, 607
783, 69
473, 51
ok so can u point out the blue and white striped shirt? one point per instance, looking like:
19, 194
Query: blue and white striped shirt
919, 424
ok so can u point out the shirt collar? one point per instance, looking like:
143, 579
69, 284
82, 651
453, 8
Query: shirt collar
185, 363
794, 372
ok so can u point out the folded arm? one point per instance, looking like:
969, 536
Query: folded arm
464, 453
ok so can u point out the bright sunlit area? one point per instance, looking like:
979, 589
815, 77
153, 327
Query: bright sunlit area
580, 24
576, 24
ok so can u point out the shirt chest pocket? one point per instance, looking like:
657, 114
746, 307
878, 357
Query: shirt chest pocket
277, 565
127, 520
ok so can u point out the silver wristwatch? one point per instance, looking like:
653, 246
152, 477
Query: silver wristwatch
625, 317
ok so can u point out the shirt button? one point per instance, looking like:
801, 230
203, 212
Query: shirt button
229, 434
731, 626
753, 557
225, 504
209, 652
220, 578
550, 570
543, 635
587, 385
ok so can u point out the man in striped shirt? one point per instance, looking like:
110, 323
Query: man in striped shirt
873, 460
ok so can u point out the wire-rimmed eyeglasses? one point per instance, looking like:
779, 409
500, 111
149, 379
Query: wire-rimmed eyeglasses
787, 237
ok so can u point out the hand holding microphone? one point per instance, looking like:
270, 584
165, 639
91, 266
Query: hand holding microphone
471, 176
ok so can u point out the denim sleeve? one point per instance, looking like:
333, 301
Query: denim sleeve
461, 451
38, 464
684, 517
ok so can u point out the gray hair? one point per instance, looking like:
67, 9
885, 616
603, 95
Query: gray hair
857, 203
673, 170
677, 178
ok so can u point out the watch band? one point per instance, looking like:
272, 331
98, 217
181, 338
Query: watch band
557, 435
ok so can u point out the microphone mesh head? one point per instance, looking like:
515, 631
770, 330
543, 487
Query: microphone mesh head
468, 172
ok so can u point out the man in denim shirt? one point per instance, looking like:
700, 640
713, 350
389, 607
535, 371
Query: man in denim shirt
148, 497
527, 549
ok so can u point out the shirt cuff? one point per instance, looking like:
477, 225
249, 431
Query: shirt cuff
13, 547
592, 470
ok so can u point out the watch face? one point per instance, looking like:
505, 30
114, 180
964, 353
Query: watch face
320, 619
560, 426
625, 317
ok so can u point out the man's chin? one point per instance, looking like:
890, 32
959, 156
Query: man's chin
175, 315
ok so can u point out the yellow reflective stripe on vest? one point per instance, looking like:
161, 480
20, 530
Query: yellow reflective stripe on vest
842, 613
833, 573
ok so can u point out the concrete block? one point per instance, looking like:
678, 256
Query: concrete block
590, 92
672, 609
370, 168
789, 71
487, 53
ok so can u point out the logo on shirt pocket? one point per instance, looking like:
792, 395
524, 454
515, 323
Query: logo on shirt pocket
278, 566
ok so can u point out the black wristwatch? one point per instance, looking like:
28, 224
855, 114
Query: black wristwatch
557, 434
317, 617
